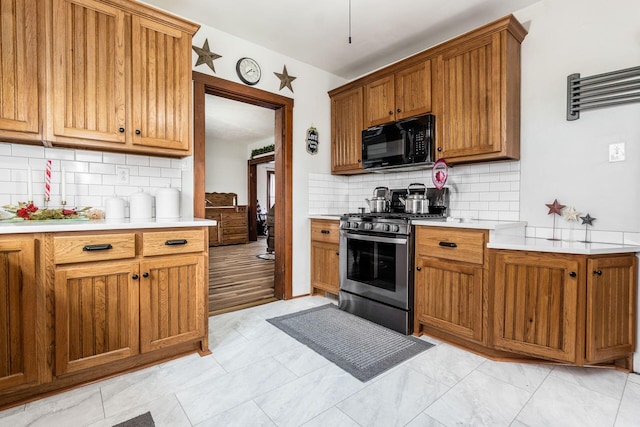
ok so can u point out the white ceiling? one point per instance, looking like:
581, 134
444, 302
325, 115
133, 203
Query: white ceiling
316, 32
242, 123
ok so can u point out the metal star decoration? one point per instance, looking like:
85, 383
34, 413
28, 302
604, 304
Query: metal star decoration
205, 56
285, 79
571, 214
587, 219
555, 207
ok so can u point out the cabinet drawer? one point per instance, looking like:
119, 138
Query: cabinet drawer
172, 242
453, 244
234, 222
325, 231
96, 247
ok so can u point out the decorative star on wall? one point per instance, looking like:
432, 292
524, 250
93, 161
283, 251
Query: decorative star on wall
555, 207
285, 79
205, 56
587, 219
571, 214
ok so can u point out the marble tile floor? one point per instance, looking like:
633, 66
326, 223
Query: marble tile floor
259, 376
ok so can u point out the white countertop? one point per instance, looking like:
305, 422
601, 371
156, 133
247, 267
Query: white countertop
476, 224
9, 227
324, 216
559, 246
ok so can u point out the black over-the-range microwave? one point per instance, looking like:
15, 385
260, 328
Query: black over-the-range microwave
409, 142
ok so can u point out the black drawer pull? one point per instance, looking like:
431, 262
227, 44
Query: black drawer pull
99, 247
448, 244
176, 242
325, 231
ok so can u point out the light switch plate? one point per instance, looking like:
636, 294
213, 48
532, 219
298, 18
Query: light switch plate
616, 152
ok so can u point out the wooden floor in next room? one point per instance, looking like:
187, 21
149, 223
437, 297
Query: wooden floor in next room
238, 277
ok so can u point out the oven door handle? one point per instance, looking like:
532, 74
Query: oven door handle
380, 239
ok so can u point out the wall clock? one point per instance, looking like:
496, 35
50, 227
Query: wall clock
248, 70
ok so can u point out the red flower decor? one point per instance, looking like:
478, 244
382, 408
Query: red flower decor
25, 212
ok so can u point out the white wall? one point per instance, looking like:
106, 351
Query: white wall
569, 160
311, 107
226, 168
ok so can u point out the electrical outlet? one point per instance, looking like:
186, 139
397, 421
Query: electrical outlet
122, 175
616, 152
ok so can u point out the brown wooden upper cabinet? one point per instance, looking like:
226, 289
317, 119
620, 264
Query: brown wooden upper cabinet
119, 77
407, 93
470, 83
346, 131
19, 119
478, 110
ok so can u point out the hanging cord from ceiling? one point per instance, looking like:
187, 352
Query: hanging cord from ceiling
349, 21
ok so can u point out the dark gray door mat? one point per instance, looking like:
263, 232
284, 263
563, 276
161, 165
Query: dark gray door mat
144, 420
362, 348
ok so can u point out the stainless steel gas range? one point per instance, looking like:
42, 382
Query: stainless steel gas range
376, 267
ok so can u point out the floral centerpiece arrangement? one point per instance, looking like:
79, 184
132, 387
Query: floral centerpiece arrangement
30, 212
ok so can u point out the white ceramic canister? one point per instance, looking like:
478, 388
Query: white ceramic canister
114, 208
168, 203
141, 205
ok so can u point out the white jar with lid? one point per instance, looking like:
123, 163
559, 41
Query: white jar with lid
114, 208
141, 205
168, 203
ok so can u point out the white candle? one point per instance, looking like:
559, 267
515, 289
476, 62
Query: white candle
63, 190
29, 185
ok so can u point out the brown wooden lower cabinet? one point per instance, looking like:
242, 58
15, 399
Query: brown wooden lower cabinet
449, 282
569, 308
232, 227
18, 364
325, 256
97, 304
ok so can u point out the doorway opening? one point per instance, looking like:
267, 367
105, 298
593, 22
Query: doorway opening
283, 109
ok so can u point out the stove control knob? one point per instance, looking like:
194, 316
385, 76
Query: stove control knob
368, 226
386, 227
395, 228
353, 225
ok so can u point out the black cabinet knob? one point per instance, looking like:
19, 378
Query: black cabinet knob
573, 274
138, 132
399, 110
439, 148
598, 272
121, 130
145, 274
337, 253
359, 161
419, 268
135, 277
391, 112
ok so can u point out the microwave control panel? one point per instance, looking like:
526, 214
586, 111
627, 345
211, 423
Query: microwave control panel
419, 144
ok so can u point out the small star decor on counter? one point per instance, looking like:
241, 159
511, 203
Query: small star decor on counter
587, 221
30, 212
571, 215
555, 208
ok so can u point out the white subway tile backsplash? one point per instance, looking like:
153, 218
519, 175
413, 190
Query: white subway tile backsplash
100, 168
134, 159
90, 175
115, 158
19, 150
509, 176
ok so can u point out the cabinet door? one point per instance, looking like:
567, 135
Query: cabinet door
324, 266
172, 301
469, 123
346, 132
379, 102
19, 101
88, 78
535, 304
611, 285
18, 313
413, 91
96, 314
161, 85
448, 296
